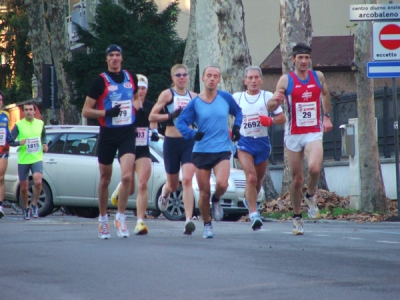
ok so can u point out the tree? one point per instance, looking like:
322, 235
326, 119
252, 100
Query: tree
148, 39
59, 45
16, 73
207, 38
190, 57
373, 197
295, 26
234, 55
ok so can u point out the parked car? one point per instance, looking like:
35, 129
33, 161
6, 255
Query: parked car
71, 177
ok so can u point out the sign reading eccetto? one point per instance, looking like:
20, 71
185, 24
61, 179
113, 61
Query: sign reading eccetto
386, 41
371, 12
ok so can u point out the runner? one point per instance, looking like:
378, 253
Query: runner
143, 157
305, 126
177, 150
210, 111
30, 156
6, 141
254, 146
110, 100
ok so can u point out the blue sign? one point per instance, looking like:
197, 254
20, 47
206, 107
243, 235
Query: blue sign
383, 69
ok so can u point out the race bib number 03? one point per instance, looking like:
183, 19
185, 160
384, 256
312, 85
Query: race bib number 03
33, 145
142, 136
125, 114
306, 114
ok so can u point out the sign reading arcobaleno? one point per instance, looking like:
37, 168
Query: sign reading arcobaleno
373, 12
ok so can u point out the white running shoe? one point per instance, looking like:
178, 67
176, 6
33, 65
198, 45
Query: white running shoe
298, 226
122, 230
189, 227
1, 212
104, 230
313, 212
163, 202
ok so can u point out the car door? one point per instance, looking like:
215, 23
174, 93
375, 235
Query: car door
72, 167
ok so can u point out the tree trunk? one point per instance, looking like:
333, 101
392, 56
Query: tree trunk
207, 38
268, 186
39, 39
56, 12
190, 57
295, 26
234, 51
373, 197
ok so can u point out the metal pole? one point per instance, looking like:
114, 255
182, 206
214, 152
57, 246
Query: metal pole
396, 140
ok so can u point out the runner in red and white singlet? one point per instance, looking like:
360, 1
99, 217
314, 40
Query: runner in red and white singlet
304, 89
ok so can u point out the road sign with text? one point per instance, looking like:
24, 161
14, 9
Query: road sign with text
373, 12
386, 41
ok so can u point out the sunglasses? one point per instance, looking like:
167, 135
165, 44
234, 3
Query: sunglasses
179, 75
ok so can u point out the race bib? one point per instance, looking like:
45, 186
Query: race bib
33, 145
142, 136
180, 102
251, 125
306, 114
125, 114
2, 136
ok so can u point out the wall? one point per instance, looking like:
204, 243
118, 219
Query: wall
337, 177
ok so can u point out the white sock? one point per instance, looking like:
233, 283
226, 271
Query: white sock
188, 219
139, 220
103, 218
254, 214
120, 216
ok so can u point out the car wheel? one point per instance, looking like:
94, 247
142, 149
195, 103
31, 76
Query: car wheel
67, 210
45, 202
86, 212
176, 209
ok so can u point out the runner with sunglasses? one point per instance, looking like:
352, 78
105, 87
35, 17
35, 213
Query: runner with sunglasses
177, 150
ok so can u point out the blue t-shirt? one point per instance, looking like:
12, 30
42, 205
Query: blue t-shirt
212, 119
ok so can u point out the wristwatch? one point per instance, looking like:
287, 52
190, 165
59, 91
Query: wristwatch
327, 115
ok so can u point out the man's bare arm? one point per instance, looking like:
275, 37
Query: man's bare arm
279, 95
89, 111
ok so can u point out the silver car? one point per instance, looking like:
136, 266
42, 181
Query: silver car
71, 178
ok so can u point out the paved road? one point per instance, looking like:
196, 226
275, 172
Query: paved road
61, 257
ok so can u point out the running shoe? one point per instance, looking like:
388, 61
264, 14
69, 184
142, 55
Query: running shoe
114, 196
189, 227
256, 221
216, 211
122, 230
162, 202
1, 212
313, 212
104, 230
208, 232
141, 228
298, 226
27, 214
35, 211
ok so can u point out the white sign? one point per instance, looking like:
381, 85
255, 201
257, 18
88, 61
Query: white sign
383, 69
386, 41
371, 12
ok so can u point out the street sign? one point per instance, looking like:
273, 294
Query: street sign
380, 69
373, 12
386, 41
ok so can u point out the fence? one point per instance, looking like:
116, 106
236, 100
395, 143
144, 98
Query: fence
343, 108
